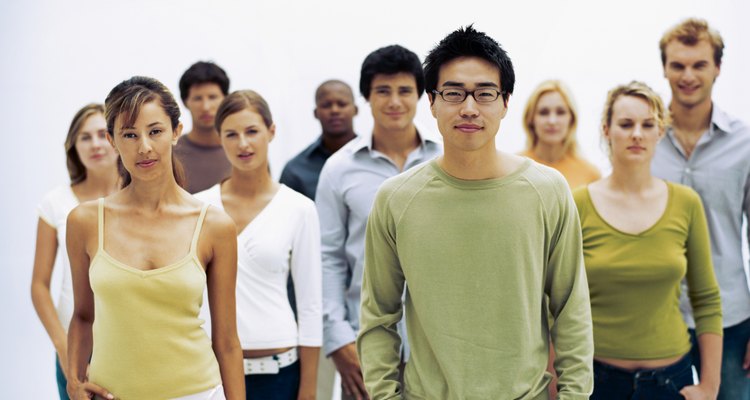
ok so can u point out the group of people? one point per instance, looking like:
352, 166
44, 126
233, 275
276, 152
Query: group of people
423, 269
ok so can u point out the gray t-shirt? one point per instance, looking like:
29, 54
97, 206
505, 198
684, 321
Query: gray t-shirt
204, 166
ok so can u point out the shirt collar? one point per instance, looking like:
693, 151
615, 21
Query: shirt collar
365, 142
720, 120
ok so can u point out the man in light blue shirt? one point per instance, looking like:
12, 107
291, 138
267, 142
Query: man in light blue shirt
392, 81
709, 151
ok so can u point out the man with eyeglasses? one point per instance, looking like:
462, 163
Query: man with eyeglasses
392, 82
480, 237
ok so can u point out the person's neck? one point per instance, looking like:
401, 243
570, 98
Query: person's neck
100, 183
399, 142
549, 153
473, 165
334, 142
631, 178
204, 136
153, 195
249, 184
691, 122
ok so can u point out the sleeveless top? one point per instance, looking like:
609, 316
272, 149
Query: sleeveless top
148, 340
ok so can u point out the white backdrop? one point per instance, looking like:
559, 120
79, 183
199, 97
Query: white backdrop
59, 55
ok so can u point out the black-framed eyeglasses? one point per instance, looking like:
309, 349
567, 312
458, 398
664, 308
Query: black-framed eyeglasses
458, 95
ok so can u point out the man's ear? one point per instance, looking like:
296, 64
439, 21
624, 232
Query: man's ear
315, 113
431, 98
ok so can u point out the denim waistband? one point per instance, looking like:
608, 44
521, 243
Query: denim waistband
644, 374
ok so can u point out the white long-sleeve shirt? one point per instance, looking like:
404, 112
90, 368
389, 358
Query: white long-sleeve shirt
283, 238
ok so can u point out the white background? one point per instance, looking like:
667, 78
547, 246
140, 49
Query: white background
60, 55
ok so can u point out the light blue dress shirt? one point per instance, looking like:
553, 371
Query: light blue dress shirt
719, 170
346, 190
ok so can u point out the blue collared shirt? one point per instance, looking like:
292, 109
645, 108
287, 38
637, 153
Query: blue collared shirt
346, 190
719, 170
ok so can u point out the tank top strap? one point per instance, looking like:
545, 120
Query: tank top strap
100, 222
198, 226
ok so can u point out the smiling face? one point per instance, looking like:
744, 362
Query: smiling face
691, 72
203, 100
633, 131
245, 138
92, 146
393, 101
145, 146
468, 126
552, 119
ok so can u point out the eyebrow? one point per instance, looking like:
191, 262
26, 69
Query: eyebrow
461, 84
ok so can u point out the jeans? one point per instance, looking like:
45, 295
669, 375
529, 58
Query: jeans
62, 383
281, 386
612, 383
734, 382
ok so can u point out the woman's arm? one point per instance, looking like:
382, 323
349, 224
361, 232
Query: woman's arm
705, 299
80, 339
305, 266
308, 358
44, 262
221, 273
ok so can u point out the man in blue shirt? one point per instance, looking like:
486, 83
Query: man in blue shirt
392, 81
709, 150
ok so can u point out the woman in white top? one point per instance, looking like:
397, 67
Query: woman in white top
278, 234
92, 167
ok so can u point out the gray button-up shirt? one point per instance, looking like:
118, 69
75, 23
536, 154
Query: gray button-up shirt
346, 190
719, 170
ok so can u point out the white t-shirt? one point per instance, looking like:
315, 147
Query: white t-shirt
54, 209
284, 237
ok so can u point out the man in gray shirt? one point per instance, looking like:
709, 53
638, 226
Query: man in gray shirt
392, 81
202, 88
709, 150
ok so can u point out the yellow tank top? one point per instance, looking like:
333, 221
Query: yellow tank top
148, 340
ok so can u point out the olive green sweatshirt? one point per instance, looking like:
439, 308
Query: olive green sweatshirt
479, 258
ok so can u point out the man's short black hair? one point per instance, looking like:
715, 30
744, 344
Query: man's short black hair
203, 72
468, 42
390, 60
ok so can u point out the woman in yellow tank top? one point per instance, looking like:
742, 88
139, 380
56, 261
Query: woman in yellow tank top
140, 261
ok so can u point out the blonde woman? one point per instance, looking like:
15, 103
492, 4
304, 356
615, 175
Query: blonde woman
92, 167
550, 121
641, 237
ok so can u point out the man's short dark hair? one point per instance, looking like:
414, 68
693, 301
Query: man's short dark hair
390, 60
468, 42
203, 72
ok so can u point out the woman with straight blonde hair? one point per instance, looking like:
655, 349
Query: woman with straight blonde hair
550, 120
92, 167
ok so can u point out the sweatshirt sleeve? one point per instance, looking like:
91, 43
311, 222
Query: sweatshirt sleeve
567, 288
379, 342
703, 289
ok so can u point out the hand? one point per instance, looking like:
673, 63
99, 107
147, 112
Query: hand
699, 392
347, 363
86, 391
746, 363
